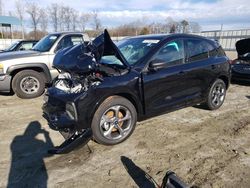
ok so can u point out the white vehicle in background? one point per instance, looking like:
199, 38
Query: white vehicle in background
27, 72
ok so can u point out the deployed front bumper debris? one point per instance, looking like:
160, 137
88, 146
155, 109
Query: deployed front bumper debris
72, 142
59, 120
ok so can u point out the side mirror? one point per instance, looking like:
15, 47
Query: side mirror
21, 49
156, 64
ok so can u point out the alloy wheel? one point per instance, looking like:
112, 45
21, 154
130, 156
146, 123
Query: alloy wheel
218, 94
116, 122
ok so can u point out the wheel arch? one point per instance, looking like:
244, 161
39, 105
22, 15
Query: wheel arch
39, 67
225, 79
130, 97
137, 104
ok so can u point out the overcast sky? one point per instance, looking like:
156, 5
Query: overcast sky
210, 14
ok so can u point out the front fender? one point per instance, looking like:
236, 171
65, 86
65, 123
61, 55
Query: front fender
124, 87
41, 66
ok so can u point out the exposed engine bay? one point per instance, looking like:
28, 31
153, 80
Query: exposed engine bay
82, 66
69, 84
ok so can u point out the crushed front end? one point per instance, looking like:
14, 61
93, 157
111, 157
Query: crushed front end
61, 113
70, 100
62, 106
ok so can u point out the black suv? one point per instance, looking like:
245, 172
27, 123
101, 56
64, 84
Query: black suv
104, 89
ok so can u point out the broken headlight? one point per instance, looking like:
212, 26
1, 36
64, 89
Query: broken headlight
71, 111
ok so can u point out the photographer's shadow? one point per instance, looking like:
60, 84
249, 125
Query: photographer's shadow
27, 166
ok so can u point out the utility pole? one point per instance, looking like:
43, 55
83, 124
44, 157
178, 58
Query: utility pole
221, 28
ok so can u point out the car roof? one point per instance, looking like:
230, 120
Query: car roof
30, 40
85, 35
66, 33
166, 36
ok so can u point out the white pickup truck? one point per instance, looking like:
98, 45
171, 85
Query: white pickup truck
27, 72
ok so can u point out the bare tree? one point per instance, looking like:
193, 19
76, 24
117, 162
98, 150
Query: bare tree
66, 17
34, 11
20, 13
53, 11
96, 22
194, 27
172, 29
144, 31
43, 20
184, 25
171, 25
74, 19
61, 15
83, 20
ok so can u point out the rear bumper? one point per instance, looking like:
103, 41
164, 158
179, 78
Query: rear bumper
5, 82
241, 72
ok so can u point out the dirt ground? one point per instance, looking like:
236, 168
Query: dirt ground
204, 148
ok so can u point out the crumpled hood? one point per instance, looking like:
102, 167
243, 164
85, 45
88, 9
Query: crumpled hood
107, 47
243, 46
82, 59
18, 54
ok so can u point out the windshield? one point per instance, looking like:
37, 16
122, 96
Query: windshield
136, 48
46, 43
12, 46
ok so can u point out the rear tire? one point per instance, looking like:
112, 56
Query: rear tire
114, 121
216, 95
28, 84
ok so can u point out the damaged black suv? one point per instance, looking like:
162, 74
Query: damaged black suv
103, 89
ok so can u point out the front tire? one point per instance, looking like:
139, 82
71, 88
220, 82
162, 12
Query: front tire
114, 121
28, 84
216, 95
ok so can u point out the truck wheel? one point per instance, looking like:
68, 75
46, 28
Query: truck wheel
28, 84
216, 95
114, 121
